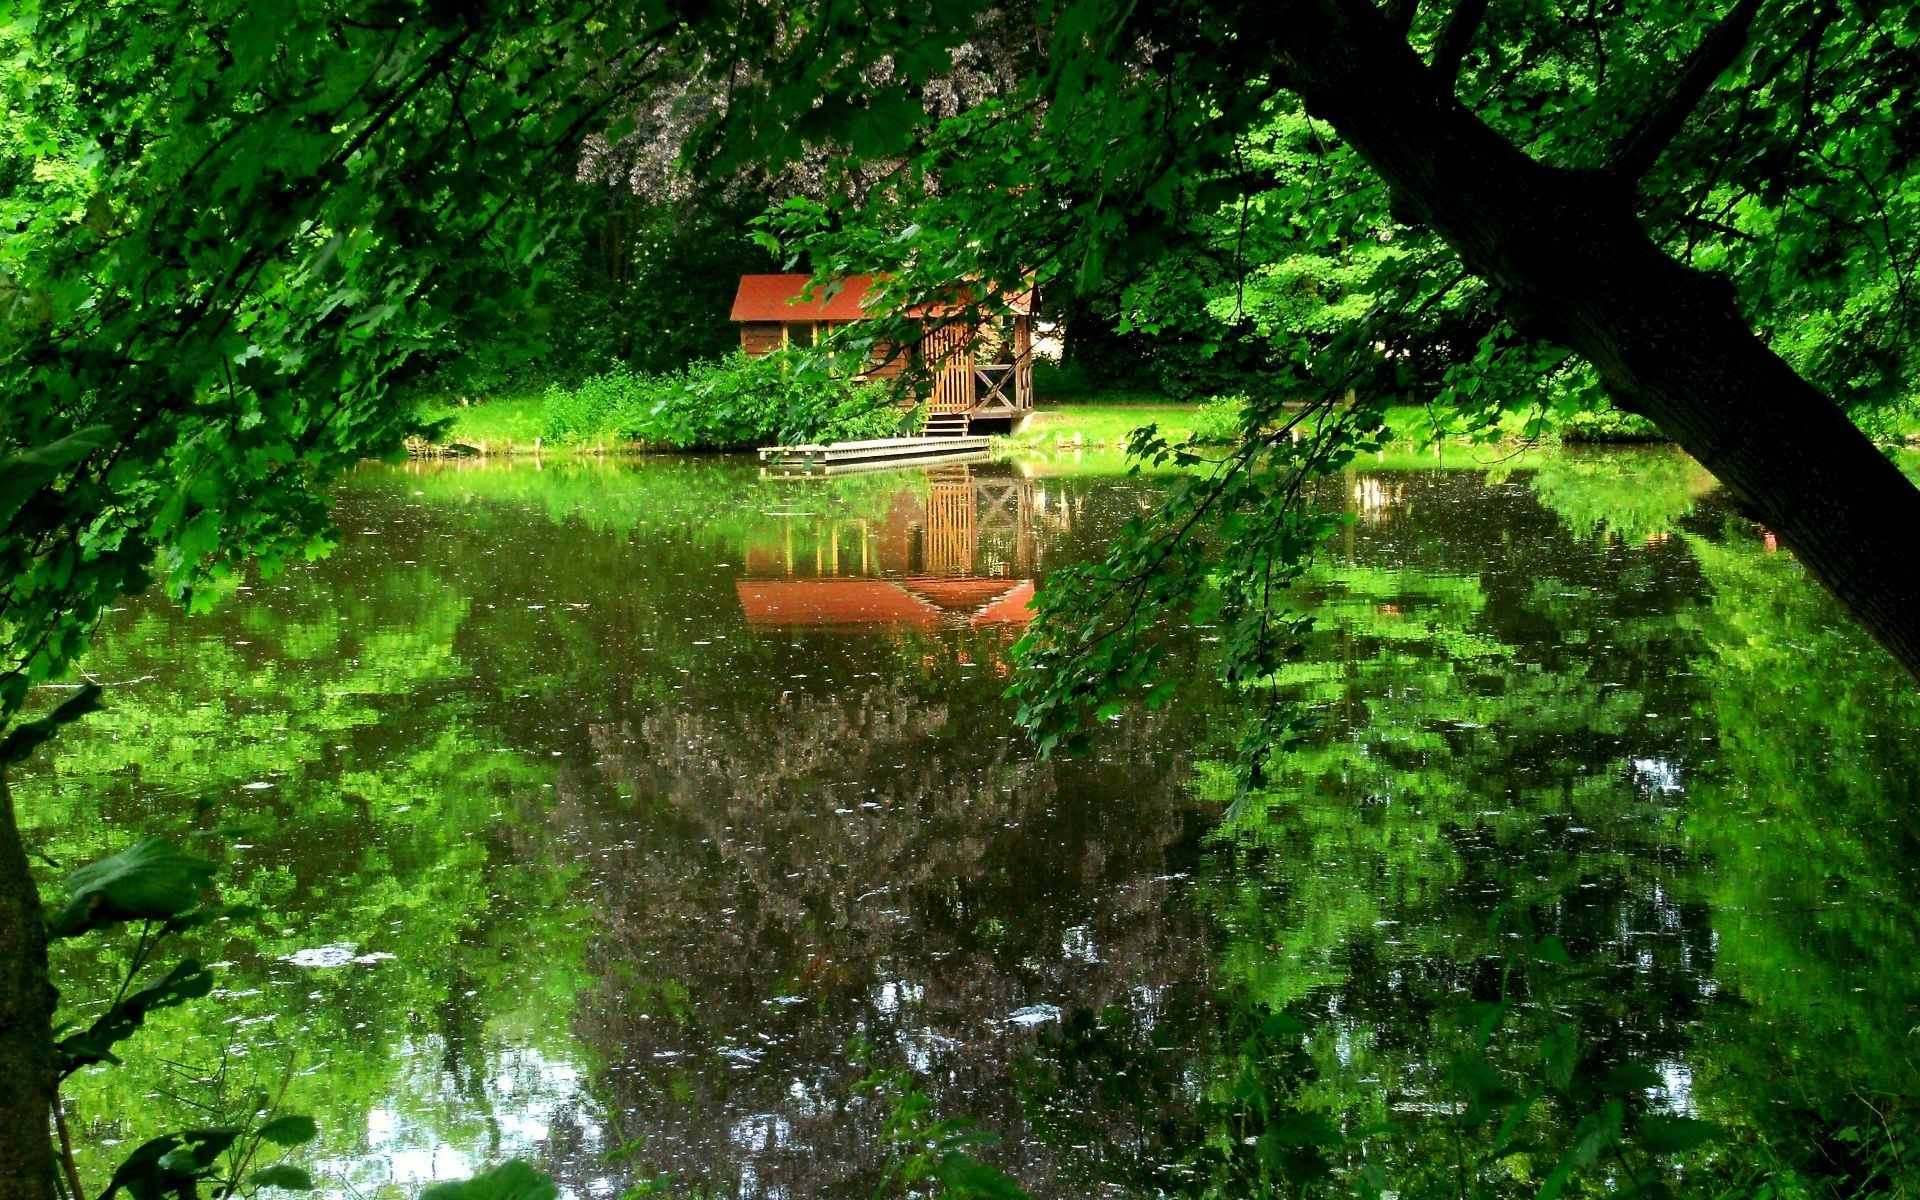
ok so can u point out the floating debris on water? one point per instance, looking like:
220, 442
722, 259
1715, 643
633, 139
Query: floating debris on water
339, 954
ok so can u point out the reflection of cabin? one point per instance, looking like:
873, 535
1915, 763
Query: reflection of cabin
982, 374
957, 553
855, 605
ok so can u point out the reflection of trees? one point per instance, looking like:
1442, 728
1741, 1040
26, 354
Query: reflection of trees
705, 765
329, 716
776, 839
485, 640
1673, 756
1808, 837
1507, 734
868, 853
1490, 741
1633, 495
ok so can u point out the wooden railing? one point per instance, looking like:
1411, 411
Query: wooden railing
1011, 383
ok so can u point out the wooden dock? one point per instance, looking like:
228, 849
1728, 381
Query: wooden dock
842, 457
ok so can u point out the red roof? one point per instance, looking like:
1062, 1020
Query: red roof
772, 298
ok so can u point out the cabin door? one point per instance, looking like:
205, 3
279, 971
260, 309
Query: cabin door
948, 354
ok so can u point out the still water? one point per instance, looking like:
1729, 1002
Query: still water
596, 813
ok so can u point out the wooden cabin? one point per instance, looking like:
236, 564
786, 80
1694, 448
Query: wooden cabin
982, 374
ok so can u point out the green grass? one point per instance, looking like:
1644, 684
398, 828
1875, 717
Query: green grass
1100, 426
513, 423
496, 425
1106, 425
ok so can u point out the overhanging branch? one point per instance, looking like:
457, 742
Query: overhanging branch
1456, 38
1659, 125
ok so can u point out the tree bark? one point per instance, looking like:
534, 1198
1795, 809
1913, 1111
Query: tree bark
1572, 264
26, 1023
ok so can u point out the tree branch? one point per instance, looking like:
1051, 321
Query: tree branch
1456, 37
1400, 14
1659, 125
1572, 263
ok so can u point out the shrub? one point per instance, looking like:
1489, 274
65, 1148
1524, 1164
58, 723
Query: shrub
1609, 425
1221, 419
727, 404
593, 409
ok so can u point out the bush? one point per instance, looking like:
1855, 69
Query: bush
1221, 419
1609, 425
593, 409
727, 404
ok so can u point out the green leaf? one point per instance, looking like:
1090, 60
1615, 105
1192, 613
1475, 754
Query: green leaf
186, 981
167, 1165
290, 1130
153, 881
1663, 1134
967, 1178
508, 1181
1550, 949
284, 1175
24, 474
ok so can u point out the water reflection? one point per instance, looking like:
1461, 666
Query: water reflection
854, 841
595, 802
956, 546
1532, 724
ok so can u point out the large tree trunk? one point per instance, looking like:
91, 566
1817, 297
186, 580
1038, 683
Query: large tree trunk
26, 1024
1573, 264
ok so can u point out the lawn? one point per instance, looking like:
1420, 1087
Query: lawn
506, 424
1106, 425
515, 423
1100, 426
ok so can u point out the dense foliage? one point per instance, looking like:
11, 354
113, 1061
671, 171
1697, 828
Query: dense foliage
726, 404
635, 284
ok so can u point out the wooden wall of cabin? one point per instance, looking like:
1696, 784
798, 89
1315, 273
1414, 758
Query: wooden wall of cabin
1023, 362
764, 337
885, 363
760, 337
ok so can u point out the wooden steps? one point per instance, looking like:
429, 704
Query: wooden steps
945, 425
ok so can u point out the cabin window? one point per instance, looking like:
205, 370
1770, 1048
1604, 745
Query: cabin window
800, 334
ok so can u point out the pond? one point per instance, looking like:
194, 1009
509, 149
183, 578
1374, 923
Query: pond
624, 817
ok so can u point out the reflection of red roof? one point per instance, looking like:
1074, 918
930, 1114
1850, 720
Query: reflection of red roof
771, 298
959, 596
870, 603
831, 602
1014, 608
